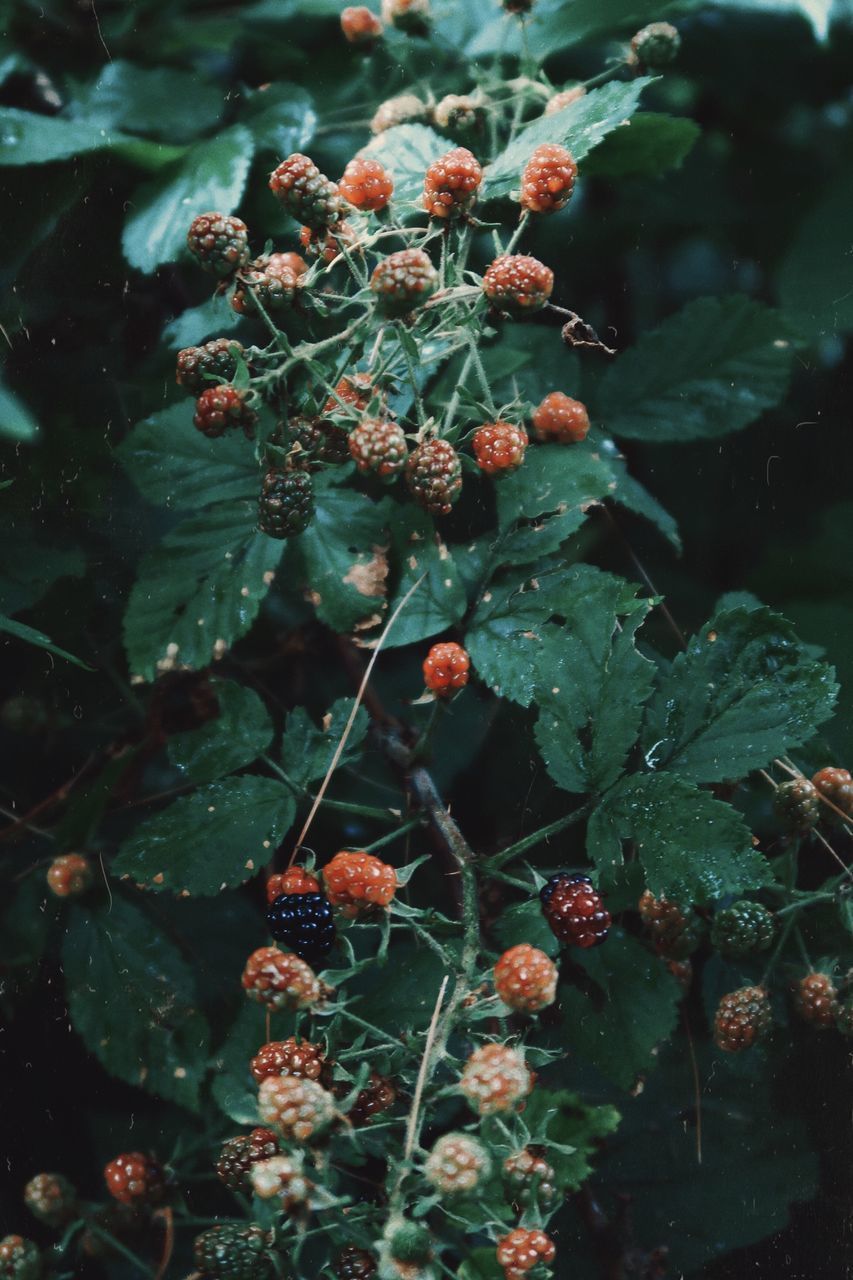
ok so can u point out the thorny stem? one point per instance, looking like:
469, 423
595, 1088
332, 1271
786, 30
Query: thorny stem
499, 860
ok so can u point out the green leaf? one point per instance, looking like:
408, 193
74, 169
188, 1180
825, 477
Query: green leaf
343, 551
817, 13
420, 552
635, 1007
591, 699
649, 145
214, 839
132, 1000
211, 175
481, 1264
143, 99
570, 1130
281, 117
237, 736
173, 465
213, 318
199, 590
29, 566
580, 127
708, 371
16, 421
693, 848
30, 636
27, 138
744, 691
555, 488
635, 497
406, 152
306, 751
816, 275
234, 1089
524, 922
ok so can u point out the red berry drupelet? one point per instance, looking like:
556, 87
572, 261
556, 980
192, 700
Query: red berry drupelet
270, 284
69, 875
279, 980
457, 1164
281, 1178
231, 1252
564, 98
518, 284
354, 391
51, 1199
408, 15
836, 785
434, 476
403, 281
451, 184
306, 193
675, 933
201, 367
366, 184
496, 1078
574, 910
219, 242
521, 1250
353, 1263
135, 1179
377, 1096
328, 242
358, 882
20, 1259
293, 880
295, 1108
221, 409
560, 420
743, 1017
378, 447
548, 179
797, 805
318, 440
285, 504
816, 1000
360, 26
526, 979
240, 1154
446, 668
499, 447
529, 1177
291, 1057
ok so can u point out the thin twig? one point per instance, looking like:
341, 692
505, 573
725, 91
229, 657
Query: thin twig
412, 1122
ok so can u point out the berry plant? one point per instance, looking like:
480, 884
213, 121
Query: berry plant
403, 880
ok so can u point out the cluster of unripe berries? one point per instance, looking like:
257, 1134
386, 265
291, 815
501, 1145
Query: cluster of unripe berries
800, 803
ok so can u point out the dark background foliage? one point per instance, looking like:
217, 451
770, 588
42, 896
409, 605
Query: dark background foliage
761, 205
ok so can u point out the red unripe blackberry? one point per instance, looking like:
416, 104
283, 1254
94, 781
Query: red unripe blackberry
574, 910
518, 284
458, 113
360, 26
318, 440
221, 409
457, 1164
403, 281
366, 184
327, 242
836, 785
379, 447
230, 1252
286, 503
521, 1250
408, 15
434, 476
271, 282
560, 420
297, 1109
674, 933
529, 1177
295, 261
406, 108
682, 971
358, 882
69, 875
564, 98
51, 1199
19, 1259
289, 1057
219, 242
354, 391
526, 979
450, 184
742, 1018
281, 1178
279, 980
797, 804
377, 1096
548, 179
446, 668
496, 1078
656, 45
136, 1179
239, 1154
816, 1000
293, 880
499, 447
306, 193
199, 367
355, 1264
